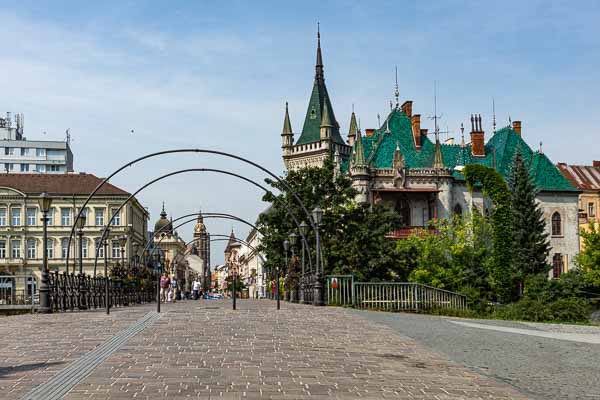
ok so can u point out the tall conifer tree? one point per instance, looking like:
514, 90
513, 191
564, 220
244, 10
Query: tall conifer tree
530, 240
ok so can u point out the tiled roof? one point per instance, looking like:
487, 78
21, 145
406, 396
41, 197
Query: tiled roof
500, 151
584, 177
58, 184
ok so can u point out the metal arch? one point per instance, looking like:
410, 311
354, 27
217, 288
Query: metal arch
160, 153
105, 230
205, 215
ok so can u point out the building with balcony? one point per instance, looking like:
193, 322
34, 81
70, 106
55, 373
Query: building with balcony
21, 240
19, 155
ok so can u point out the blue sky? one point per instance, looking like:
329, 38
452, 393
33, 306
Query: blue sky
217, 75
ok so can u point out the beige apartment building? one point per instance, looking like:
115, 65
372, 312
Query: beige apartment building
21, 240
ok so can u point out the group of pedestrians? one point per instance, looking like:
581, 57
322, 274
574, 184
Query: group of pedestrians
170, 292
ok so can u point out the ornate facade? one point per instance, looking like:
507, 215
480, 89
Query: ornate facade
403, 165
174, 247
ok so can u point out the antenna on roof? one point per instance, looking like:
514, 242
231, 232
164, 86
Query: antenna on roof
435, 117
378, 121
494, 114
68, 136
541, 150
462, 135
397, 92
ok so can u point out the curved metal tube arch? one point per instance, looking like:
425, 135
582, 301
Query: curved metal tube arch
207, 151
106, 228
205, 215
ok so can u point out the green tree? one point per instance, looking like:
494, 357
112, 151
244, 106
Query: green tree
589, 258
530, 247
500, 263
352, 236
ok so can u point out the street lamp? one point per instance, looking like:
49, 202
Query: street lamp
122, 244
293, 237
157, 267
45, 202
286, 248
304, 232
317, 215
106, 278
233, 280
135, 258
80, 225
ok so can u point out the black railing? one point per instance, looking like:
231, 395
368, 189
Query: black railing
70, 292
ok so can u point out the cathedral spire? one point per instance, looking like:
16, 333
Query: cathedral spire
353, 129
287, 125
359, 155
319, 76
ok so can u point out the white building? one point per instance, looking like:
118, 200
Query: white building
19, 155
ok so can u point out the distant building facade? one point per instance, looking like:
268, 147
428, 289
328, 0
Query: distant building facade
173, 247
19, 155
21, 241
403, 165
586, 178
251, 264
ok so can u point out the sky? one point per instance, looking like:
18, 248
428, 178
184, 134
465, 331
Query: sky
216, 75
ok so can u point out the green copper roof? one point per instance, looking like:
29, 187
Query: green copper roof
353, 125
500, 151
319, 100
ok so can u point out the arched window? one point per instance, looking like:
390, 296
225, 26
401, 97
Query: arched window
50, 248
556, 224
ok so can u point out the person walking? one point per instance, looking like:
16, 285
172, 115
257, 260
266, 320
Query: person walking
196, 289
165, 283
174, 288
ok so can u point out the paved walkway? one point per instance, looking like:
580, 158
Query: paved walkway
206, 350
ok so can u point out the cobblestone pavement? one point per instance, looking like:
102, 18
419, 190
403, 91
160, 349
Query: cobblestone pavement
543, 368
205, 350
37, 346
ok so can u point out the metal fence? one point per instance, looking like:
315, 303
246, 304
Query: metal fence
70, 291
342, 290
18, 291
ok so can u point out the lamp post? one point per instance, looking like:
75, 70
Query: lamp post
135, 258
157, 267
106, 277
80, 226
233, 284
45, 307
304, 231
286, 248
293, 237
317, 215
122, 244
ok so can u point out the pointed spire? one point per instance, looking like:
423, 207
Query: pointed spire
353, 128
163, 213
319, 65
287, 126
359, 155
438, 161
387, 125
462, 135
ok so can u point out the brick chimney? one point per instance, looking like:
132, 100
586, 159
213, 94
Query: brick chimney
477, 137
596, 164
516, 125
407, 108
369, 132
415, 121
